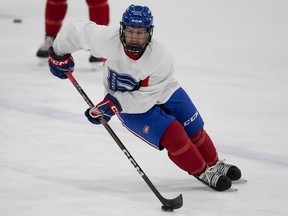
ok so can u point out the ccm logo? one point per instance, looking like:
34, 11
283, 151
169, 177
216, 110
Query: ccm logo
60, 63
191, 119
133, 162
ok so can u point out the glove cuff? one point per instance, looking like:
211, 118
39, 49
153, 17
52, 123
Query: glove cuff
53, 55
114, 103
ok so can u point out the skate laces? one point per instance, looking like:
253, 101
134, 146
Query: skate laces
210, 176
222, 167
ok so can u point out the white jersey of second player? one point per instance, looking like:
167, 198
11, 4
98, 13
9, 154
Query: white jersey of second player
139, 84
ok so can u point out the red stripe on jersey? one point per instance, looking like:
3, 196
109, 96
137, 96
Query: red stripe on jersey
145, 82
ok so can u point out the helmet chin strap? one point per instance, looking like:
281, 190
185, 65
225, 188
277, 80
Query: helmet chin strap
135, 50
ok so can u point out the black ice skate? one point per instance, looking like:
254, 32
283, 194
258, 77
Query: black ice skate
214, 179
96, 62
231, 171
43, 50
93, 59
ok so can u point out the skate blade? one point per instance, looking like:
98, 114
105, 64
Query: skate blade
240, 181
233, 189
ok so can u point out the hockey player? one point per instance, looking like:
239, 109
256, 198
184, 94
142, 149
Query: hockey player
55, 12
141, 89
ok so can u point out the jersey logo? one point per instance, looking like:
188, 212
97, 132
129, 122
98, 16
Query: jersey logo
121, 82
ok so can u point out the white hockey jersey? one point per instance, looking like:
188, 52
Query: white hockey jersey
122, 75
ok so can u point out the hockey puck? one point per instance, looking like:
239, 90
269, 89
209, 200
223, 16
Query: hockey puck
17, 20
167, 208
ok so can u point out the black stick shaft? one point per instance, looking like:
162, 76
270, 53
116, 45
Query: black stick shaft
165, 202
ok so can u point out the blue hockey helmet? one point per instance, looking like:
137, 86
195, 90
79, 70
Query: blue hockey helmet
138, 17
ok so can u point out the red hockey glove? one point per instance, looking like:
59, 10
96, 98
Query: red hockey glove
60, 64
108, 107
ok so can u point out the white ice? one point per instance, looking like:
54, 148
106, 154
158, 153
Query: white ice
231, 57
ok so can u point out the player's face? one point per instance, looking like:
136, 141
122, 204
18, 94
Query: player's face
136, 36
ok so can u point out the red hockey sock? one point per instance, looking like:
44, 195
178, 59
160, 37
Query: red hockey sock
205, 146
55, 13
98, 11
181, 150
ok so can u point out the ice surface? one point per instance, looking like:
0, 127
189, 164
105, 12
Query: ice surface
231, 57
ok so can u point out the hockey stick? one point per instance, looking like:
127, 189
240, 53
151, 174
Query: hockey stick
168, 204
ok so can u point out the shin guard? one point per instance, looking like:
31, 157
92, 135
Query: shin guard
205, 146
54, 15
181, 150
99, 11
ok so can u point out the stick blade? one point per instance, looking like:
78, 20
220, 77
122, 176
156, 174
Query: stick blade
171, 204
